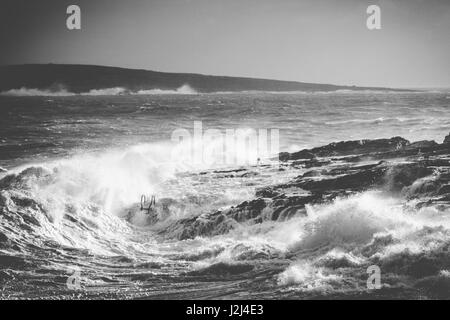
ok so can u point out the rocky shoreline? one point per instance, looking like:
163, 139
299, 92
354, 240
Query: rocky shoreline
411, 170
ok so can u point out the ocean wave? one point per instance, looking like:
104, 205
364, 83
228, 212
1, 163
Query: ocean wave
97, 192
184, 89
307, 277
341, 239
62, 92
80, 202
84, 203
32, 92
105, 92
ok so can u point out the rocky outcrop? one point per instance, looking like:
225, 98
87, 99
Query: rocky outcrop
219, 222
447, 139
345, 148
418, 170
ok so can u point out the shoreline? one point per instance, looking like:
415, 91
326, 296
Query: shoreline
338, 169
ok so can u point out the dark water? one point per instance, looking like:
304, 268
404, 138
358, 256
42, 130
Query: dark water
71, 227
32, 127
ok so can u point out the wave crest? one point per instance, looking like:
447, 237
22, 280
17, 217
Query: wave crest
62, 92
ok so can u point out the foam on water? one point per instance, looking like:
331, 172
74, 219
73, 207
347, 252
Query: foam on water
62, 92
89, 200
355, 232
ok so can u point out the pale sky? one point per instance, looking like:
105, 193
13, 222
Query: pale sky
323, 41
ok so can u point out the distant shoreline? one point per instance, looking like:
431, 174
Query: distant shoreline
78, 79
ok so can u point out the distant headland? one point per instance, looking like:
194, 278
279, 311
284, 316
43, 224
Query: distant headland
84, 78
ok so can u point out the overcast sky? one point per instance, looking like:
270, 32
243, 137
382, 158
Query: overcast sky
324, 41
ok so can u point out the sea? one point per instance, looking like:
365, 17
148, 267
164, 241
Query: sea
76, 170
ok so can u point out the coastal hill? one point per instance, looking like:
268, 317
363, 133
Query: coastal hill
83, 78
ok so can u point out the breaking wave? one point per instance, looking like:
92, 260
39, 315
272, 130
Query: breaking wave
184, 89
341, 240
62, 92
79, 202
83, 203
30, 92
90, 202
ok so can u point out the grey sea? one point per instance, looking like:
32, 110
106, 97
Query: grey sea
75, 168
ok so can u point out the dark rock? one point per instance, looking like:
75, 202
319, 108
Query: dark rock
3, 237
345, 148
284, 156
286, 208
424, 144
267, 192
356, 181
423, 173
311, 173
400, 176
360, 147
444, 189
303, 154
12, 262
447, 139
218, 222
346, 169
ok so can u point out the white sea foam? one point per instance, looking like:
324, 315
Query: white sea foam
62, 92
184, 89
105, 92
349, 233
31, 92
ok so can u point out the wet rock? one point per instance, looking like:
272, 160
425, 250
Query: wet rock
303, 154
421, 145
414, 170
350, 168
12, 262
218, 222
447, 139
345, 148
312, 173
3, 237
267, 192
285, 208
444, 189
284, 156
355, 181
400, 176
310, 163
